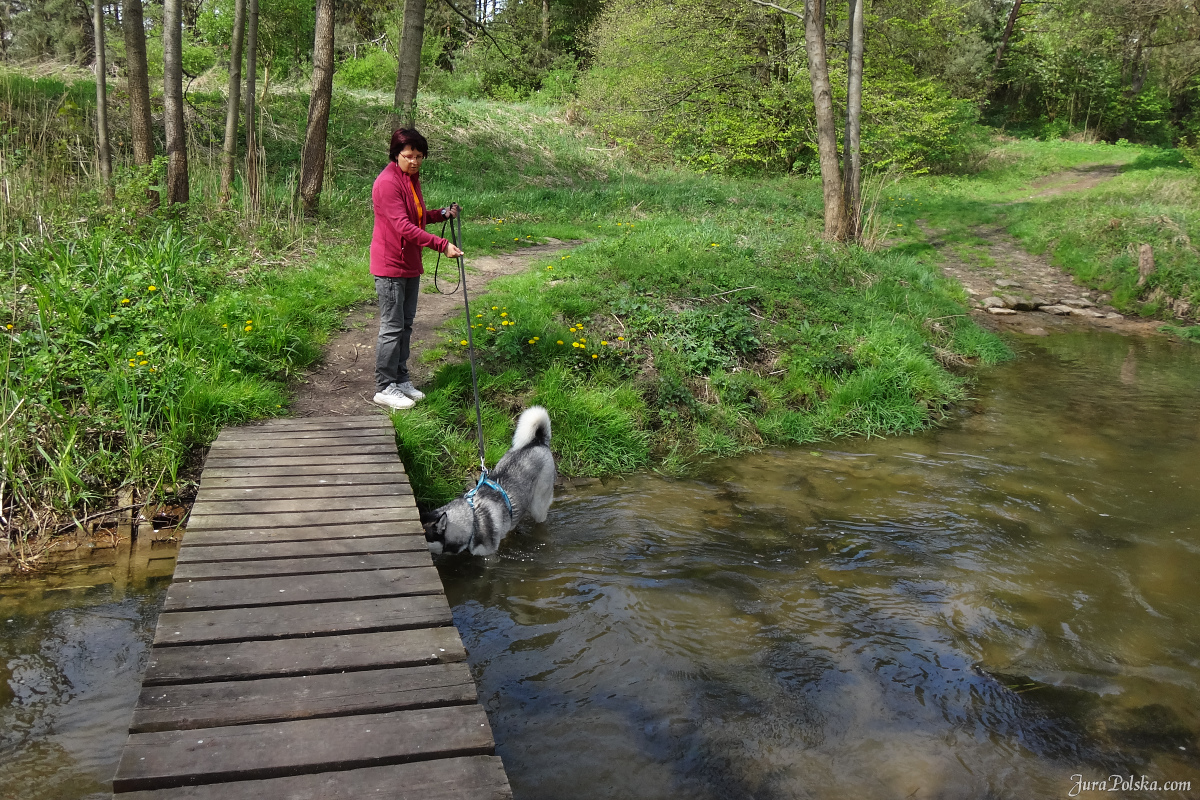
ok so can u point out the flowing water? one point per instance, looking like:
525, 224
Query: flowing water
985, 610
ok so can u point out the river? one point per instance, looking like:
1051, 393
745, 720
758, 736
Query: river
1005, 606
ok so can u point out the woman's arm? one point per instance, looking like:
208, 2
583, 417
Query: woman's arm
389, 202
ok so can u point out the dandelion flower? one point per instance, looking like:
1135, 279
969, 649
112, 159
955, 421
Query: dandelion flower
152, 369
603, 342
479, 315
531, 341
143, 363
494, 308
9, 327
151, 288
595, 356
560, 341
549, 267
248, 328
620, 338
515, 239
249, 322
537, 338
493, 330
226, 325
463, 342
504, 314
582, 339
572, 330
125, 301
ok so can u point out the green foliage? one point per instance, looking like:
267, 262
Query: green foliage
374, 69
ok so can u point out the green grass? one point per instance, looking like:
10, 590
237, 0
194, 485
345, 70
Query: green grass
707, 316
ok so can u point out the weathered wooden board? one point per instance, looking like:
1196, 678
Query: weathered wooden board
313, 548
320, 424
250, 752
214, 705
382, 488
287, 441
331, 453
280, 567
305, 619
311, 432
298, 519
302, 533
473, 777
291, 589
308, 460
282, 657
206, 506
308, 474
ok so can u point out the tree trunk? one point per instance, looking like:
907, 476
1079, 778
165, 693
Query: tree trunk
781, 62
177, 161
252, 164
229, 152
1008, 29
818, 72
102, 150
545, 25
409, 71
852, 153
312, 158
139, 85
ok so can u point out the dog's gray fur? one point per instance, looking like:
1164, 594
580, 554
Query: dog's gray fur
526, 473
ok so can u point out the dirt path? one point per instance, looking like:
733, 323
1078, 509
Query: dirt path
344, 382
1014, 290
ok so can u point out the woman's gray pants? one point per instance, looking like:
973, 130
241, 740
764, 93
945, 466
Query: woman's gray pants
397, 310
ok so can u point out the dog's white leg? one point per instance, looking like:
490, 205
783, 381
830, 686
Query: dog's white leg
543, 494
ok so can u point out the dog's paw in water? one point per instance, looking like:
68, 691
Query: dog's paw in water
521, 485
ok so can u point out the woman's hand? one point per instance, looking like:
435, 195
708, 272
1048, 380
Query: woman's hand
452, 250
453, 211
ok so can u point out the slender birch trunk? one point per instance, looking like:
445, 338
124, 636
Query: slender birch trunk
177, 161
312, 158
409, 71
229, 151
827, 155
103, 152
252, 162
852, 155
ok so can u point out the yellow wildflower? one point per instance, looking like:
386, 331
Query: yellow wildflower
125, 301
151, 288
463, 342
603, 342
560, 341
595, 356
620, 338
143, 363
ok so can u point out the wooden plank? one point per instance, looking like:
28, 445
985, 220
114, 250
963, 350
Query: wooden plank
252, 752
319, 548
214, 705
323, 424
322, 439
289, 590
333, 452
301, 533
237, 661
318, 473
385, 487
218, 462
205, 506
280, 567
300, 518
306, 619
467, 778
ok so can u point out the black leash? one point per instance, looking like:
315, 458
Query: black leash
438, 263
455, 238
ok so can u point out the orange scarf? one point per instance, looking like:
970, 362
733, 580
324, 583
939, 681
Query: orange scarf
417, 200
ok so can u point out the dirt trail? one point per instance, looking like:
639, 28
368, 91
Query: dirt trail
1014, 290
343, 383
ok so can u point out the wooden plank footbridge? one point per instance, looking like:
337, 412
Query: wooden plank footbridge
306, 648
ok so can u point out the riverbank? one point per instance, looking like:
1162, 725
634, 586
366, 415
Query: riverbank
701, 317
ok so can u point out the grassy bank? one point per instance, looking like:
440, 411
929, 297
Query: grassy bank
700, 318
1095, 234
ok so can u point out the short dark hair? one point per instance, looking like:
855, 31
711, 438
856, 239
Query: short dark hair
407, 137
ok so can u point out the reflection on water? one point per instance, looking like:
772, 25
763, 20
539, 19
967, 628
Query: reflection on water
981, 611
73, 645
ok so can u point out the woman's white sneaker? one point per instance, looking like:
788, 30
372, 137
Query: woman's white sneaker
392, 397
408, 390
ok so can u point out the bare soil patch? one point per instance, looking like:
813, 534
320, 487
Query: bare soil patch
343, 383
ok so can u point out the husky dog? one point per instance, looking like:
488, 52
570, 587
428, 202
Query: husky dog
521, 484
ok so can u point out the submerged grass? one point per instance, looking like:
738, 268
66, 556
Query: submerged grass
699, 317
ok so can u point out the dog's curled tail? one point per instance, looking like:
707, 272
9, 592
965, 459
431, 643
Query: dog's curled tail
532, 428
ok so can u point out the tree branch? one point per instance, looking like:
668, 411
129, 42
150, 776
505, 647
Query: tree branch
795, 14
486, 32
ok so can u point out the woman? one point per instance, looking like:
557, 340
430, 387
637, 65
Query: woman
399, 235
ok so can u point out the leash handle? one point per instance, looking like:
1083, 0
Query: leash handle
455, 238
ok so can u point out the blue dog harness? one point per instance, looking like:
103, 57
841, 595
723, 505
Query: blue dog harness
484, 480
